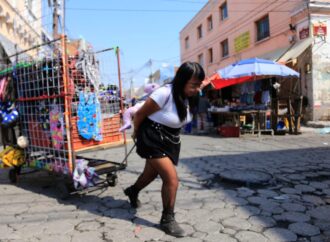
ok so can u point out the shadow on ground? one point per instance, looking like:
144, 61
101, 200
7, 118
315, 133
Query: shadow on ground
296, 197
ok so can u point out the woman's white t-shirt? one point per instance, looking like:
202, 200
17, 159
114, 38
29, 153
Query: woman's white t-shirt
168, 114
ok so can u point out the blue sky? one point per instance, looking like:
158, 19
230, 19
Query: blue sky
141, 33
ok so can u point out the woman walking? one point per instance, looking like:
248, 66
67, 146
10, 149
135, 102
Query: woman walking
157, 132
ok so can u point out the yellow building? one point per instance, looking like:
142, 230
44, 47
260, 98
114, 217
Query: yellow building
20, 28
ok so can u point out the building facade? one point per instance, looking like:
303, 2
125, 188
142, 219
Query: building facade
20, 28
290, 32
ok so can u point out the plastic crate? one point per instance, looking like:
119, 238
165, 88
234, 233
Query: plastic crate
229, 131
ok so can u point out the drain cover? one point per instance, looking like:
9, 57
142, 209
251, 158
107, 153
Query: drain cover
246, 176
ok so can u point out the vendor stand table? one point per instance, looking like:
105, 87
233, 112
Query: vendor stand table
233, 116
259, 119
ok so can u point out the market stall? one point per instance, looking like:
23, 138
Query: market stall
253, 85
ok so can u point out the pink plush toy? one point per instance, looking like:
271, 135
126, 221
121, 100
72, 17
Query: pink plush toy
129, 113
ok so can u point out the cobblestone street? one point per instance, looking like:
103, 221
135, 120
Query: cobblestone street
293, 206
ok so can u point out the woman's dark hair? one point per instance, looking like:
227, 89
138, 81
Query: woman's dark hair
186, 71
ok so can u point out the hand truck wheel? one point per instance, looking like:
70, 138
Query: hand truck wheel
112, 179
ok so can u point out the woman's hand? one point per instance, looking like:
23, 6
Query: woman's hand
205, 82
208, 80
134, 135
148, 108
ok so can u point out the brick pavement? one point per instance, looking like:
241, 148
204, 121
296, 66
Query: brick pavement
294, 206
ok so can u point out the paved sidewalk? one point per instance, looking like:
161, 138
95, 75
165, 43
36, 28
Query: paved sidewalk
294, 206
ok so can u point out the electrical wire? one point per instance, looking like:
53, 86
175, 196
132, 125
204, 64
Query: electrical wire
160, 10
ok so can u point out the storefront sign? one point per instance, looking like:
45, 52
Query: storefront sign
242, 41
304, 33
320, 29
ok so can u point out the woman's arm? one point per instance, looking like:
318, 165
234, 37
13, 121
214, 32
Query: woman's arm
148, 108
208, 80
205, 83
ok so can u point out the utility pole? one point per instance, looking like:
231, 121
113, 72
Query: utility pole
55, 19
63, 17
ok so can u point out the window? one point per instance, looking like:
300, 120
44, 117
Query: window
262, 28
209, 23
201, 59
199, 32
224, 48
210, 52
186, 42
223, 11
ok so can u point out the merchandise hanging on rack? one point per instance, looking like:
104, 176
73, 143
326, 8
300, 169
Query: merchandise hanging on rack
8, 113
87, 65
12, 156
56, 127
43, 116
89, 116
3, 86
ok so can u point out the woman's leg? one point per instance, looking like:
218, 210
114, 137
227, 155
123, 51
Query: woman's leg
167, 172
165, 168
147, 176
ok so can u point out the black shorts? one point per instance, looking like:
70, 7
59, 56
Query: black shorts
155, 140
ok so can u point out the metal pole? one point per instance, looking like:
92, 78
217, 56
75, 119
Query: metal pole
121, 98
34, 47
67, 106
100, 51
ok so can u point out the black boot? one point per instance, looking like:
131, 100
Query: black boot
133, 194
170, 226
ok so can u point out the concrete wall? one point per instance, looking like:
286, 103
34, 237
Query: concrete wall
306, 82
19, 24
321, 73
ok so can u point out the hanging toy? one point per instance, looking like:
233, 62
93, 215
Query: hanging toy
9, 113
56, 127
12, 157
129, 113
22, 142
84, 176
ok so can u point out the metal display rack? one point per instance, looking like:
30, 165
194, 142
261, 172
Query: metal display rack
62, 112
